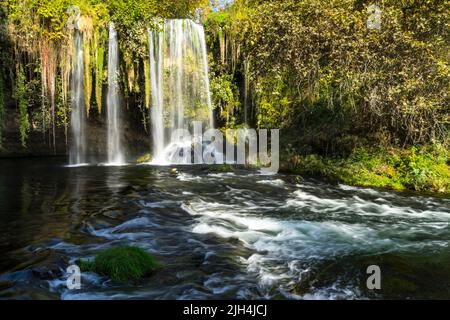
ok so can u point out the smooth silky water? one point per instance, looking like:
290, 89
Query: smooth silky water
78, 147
114, 123
217, 235
180, 88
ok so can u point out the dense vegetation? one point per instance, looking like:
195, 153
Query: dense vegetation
367, 106
316, 67
364, 106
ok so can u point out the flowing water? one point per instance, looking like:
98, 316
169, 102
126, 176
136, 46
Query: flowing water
114, 134
78, 115
179, 85
217, 235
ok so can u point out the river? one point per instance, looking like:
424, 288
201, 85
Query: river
232, 235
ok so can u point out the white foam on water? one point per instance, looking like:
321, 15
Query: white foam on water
77, 165
157, 204
356, 205
275, 182
113, 164
221, 174
116, 234
280, 244
284, 247
182, 176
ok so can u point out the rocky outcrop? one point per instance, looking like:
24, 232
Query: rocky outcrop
136, 140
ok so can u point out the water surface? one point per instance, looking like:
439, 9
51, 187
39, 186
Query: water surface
218, 235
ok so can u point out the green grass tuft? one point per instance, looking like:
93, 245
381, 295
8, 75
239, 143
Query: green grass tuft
121, 264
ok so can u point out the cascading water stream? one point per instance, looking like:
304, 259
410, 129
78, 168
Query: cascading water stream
77, 153
180, 89
155, 46
115, 150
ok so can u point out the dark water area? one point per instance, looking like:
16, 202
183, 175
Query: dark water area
217, 235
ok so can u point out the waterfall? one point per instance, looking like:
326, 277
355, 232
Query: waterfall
155, 46
77, 153
180, 90
115, 152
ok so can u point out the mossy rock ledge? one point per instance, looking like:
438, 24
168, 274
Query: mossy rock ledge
144, 158
121, 264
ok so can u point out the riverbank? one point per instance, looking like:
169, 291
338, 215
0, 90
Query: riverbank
425, 169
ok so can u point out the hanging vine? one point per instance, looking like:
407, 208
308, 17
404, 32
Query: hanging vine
147, 82
99, 47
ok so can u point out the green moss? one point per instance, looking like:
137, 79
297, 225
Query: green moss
144, 158
121, 264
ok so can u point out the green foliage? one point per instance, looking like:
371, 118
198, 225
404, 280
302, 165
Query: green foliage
275, 105
339, 77
53, 15
133, 17
420, 169
62, 109
121, 264
130, 18
24, 124
225, 96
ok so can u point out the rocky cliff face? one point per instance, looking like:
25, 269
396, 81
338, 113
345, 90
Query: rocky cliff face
136, 140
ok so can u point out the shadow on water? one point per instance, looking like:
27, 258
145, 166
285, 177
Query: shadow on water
218, 235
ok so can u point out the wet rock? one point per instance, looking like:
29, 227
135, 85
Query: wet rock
112, 214
47, 272
5, 285
129, 190
402, 276
51, 265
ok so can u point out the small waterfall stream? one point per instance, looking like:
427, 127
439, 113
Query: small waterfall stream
77, 153
115, 150
155, 47
179, 85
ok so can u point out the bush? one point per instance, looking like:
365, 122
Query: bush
121, 264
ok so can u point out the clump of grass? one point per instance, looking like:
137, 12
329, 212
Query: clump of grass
121, 264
